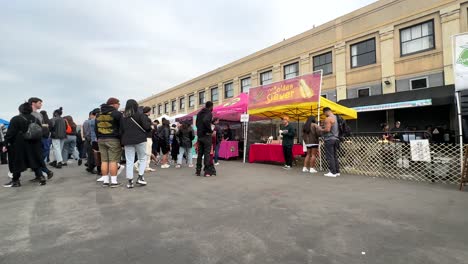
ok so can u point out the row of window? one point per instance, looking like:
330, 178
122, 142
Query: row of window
413, 39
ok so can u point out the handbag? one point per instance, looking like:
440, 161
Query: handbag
144, 131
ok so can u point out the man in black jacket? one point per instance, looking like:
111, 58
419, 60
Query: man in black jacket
204, 133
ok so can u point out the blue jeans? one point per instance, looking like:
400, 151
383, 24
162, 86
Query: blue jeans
140, 150
46, 142
188, 152
216, 154
69, 147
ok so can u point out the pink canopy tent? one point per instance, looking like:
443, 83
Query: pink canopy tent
231, 110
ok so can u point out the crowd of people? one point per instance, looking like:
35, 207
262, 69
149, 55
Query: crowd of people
108, 139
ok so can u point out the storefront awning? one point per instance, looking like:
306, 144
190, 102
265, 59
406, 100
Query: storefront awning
442, 95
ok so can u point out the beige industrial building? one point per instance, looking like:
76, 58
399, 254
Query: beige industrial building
391, 51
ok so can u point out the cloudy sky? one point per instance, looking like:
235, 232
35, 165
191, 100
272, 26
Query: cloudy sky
76, 54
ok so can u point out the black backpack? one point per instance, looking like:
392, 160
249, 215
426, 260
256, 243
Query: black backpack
34, 131
343, 129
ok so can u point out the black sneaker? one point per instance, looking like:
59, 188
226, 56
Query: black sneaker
105, 184
141, 180
58, 166
50, 174
80, 161
12, 184
53, 164
64, 163
91, 171
130, 184
35, 180
115, 185
198, 173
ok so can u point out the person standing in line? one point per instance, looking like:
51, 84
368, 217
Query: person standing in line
288, 133
23, 153
70, 142
175, 145
36, 104
94, 143
185, 136
58, 135
3, 156
332, 142
149, 140
204, 142
46, 141
310, 134
134, 128
163, 143
219, 138
88, 135
154, 137
108, 136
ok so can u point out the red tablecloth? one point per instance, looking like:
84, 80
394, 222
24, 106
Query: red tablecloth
228, 149
271, 152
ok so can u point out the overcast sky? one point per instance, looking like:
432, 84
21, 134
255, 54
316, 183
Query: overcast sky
76, 54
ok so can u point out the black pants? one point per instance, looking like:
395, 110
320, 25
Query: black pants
204, 148
331, 151
288, 155
37, 172
90, 154
3, 156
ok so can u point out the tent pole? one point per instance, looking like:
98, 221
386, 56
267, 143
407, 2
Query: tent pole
460, 128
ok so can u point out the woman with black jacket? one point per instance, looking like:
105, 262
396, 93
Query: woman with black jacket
164, 132
185, 136
23, 153
134, 128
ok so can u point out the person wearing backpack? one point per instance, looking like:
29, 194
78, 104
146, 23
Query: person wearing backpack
134, 128
70, 144
23, 144
331, 137
58, 135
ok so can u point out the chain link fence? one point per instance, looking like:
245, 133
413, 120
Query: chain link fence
372, 156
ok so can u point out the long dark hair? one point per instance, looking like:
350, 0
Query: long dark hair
70, 121
45, 117
131, 107
306, 128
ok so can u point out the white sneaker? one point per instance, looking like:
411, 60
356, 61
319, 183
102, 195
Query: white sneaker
165, 166
312, 170
330, 175
338, 174
100, 179
305, 169
190, 165
216, 164
10, 175
141, 180
121, 168
150, 169
286, 167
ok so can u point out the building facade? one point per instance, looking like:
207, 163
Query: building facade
389, 47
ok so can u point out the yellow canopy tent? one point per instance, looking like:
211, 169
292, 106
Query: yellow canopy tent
302, 111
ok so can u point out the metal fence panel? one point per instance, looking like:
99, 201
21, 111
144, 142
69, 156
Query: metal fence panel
372, 156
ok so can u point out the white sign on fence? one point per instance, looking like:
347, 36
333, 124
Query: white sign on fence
420, 150
244, 118
460, 61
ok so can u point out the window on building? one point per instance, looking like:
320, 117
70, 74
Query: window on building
291, 70
201, 97
191, 100
160, 110
324, 96
228, 90
154, 110
419, 83
174, 105
323, 62
417, 38
266, 77
365, 92
214, 94
182, 103
363, 53
245, 85
166, 108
